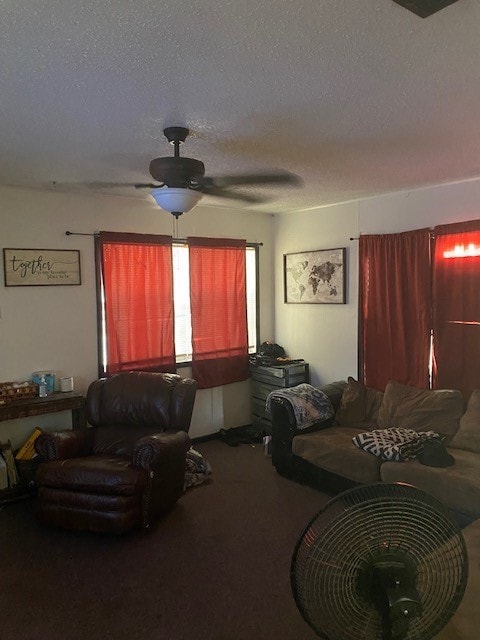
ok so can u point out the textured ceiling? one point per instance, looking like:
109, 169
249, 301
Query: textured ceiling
357, 97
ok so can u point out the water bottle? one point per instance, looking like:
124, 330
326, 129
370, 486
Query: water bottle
42, 387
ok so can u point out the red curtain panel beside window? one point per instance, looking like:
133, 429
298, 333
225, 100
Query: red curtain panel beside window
138, 302
395, 308
219, 311
456, 307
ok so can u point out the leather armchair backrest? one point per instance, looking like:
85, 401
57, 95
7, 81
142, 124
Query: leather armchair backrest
141, 402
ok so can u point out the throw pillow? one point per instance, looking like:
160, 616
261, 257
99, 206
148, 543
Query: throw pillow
421, 409
468, 434
358, 404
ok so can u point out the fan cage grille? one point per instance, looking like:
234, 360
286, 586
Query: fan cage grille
339, 544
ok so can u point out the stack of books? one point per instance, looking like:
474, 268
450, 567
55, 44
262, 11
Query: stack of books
8, 469
9, 477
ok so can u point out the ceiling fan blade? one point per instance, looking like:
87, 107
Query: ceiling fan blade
232, 195
105, 185
424, 8
251, 178
97, 186
122, 185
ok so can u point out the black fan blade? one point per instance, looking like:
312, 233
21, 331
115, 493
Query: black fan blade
121, 185
100, 185
232, 195
251, 178
424, 8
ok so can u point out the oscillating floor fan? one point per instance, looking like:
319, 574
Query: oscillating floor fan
380, 562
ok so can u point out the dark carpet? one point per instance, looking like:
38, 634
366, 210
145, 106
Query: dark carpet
215, 568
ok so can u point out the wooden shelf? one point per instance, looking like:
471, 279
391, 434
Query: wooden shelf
71, 401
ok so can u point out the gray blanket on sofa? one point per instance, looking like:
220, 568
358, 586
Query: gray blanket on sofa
310, 405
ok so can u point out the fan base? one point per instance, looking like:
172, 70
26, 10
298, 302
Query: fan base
176, 172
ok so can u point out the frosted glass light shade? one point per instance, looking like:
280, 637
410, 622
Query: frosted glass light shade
172, 199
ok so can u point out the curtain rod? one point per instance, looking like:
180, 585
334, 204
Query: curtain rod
179, 240
431, 233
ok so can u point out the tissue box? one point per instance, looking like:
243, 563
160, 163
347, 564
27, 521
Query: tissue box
49, 379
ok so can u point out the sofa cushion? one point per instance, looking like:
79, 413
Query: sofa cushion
334, 390
358, 404
332, 449
468, 434
457, 487
421, 409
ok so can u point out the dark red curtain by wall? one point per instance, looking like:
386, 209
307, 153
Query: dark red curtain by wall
219, 311
137, 279
456, 307
395, 308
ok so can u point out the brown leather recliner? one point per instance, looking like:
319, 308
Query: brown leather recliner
128, 468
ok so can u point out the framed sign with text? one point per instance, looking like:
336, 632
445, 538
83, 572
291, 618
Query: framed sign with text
41, 267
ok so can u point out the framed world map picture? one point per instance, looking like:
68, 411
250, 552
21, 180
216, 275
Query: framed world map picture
315, 277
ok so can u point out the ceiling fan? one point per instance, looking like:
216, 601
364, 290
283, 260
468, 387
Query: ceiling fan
181, 182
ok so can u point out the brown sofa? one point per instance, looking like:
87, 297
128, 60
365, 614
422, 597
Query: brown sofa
325, 453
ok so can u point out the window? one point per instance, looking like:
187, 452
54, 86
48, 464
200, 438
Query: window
456, 307
395, 303
181, 293
121, 291
420, 308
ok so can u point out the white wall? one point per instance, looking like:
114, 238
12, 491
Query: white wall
54, 328
420, 208
326, 335
322, 334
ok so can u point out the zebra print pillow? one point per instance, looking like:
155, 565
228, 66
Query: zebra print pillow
394, 444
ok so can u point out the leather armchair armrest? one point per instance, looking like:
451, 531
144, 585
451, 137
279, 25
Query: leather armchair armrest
284, 425
183, 399
160, 448
283, 430
60, 445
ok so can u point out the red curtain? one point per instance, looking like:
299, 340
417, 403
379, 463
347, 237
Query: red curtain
137, 277
456, 307
395, 308
219, 311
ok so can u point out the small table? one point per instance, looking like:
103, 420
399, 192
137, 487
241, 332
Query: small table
69, 401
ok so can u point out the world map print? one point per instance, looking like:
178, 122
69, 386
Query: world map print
315, 276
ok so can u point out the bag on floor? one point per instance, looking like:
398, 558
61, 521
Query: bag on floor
198, 469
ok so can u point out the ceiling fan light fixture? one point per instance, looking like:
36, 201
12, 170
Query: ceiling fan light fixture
174, 199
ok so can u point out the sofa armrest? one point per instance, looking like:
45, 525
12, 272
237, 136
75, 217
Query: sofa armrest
60, 445
159, 449
284, 426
